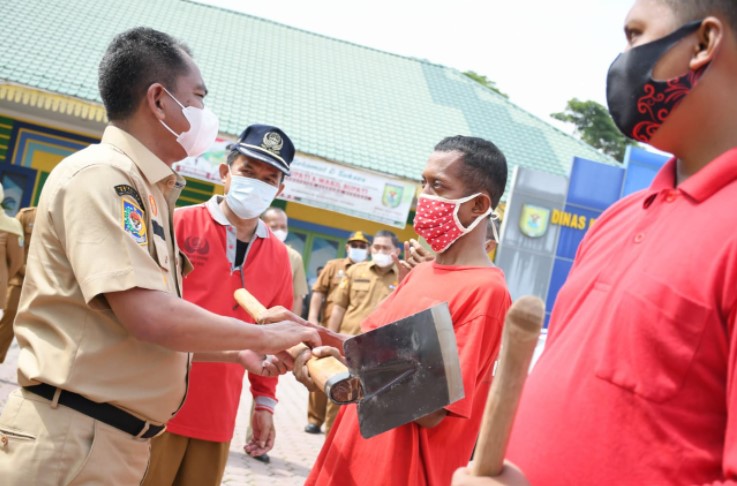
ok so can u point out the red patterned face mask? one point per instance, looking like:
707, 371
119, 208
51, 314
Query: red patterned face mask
639, 104
437, 221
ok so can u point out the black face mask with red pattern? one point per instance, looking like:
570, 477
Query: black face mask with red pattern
639, 104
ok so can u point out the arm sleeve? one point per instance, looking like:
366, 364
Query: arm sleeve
15, 255
729, 457
299, 279
92, 222
341, 295
323, 280
21, 217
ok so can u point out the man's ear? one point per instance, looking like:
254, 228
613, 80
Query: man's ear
154, 94
710, 37
481, 204
224, 172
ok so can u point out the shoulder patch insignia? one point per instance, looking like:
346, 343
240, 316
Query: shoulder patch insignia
133, 221
126, 190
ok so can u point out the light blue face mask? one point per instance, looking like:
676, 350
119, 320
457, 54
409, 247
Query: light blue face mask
248, 198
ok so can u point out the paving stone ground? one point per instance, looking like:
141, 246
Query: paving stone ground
294, 450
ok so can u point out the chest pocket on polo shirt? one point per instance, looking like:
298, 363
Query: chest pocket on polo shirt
649, 338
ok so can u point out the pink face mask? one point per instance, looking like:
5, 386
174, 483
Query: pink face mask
437, 221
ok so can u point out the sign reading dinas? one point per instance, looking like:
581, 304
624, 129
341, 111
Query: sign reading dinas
571, 220
534, 220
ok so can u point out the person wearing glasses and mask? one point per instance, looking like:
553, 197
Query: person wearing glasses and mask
321, 305
105, 338
230, 248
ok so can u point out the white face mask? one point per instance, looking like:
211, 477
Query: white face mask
203, 129
357, 255
280, 234
383, 260
248, 198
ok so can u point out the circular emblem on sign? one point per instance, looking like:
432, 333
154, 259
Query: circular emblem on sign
272, 142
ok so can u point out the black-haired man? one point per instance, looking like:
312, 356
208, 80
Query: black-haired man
636, 384
462, 182
104, 335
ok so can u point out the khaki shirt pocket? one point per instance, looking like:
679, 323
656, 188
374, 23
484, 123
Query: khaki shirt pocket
162, 252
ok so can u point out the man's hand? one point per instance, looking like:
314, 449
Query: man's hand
302, 374
265, 365
510, 476
414, 254
278, 314
262, 428
281, 336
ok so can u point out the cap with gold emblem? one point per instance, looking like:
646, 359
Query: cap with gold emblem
358, 236
267, 144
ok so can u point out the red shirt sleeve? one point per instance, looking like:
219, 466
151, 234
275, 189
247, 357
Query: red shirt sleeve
263, 385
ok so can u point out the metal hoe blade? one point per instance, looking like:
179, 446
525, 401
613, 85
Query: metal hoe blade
407, 369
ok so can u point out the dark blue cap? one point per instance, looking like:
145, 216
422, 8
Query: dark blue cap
267, 144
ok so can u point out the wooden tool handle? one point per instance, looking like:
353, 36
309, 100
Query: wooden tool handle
257, 311
521, 331
246, 300
321, 370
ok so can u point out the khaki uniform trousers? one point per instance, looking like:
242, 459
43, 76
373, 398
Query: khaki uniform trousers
317, 408
182, 461
44, 445
6, 323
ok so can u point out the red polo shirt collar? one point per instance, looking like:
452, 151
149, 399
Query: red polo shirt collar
704, 183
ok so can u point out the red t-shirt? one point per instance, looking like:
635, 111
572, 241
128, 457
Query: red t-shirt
636, 384
411, 455
214, 390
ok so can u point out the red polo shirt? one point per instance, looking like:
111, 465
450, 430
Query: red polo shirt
214, 391
411, 455
637, 381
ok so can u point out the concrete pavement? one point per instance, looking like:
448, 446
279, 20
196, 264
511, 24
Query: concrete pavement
294, 450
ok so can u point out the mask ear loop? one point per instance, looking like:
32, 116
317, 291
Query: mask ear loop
492, 221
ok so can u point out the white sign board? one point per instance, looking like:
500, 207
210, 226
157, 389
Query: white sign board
323, 185
349, 191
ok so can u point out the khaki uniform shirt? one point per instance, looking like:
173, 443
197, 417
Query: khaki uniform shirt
104, 224
26, 216
328, 281
299, 279
361, 291
11, 259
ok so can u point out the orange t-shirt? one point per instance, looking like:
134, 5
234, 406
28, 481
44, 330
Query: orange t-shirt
411, 455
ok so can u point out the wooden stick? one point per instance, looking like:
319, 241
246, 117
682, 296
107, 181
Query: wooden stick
521, 331
321, 370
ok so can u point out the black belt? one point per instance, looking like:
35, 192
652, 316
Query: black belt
104, 412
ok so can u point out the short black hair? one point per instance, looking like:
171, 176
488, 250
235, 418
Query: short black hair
688, 10
134, 60
387, 234
485, 167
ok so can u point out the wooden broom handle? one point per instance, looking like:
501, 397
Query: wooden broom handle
520, 335
321, 370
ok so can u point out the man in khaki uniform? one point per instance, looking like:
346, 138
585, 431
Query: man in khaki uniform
25, 216
103, 332
321, 303
364, 286
276, 219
